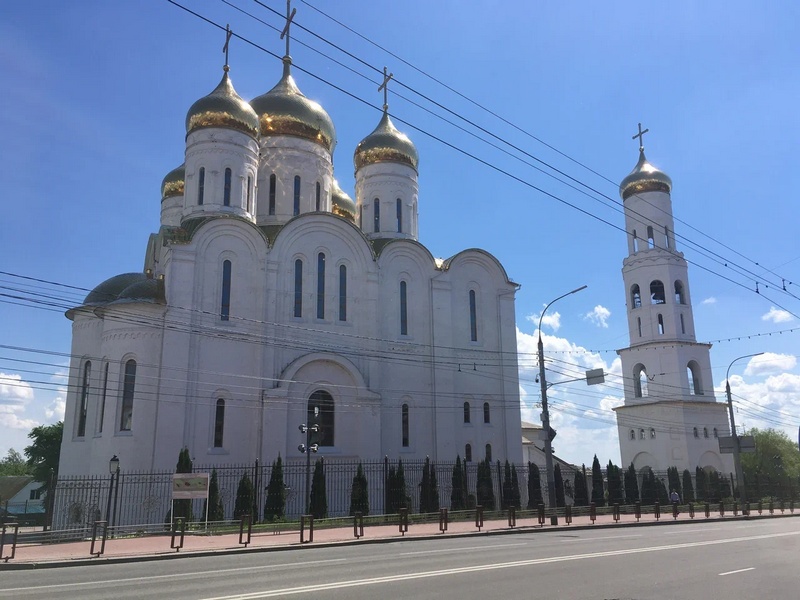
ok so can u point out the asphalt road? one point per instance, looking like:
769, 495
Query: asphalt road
725, 560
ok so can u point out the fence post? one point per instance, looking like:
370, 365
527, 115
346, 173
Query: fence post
791, 506
303, 520
691, 510
403, 521
782, 504
593, 512
721, 508
104, 524
358, 525
443, 519
540, 513
3, 535
637, 510
615, 512
657, 510
512, 517
479, 516
771, 507
708, 510
675, 510
568, 514
178, 529
735, 508
245, 533
760, 506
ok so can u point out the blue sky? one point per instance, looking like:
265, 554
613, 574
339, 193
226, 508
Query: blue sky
95, 95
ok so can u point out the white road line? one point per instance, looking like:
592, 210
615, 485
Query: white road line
605, 537
444, 551
737, 571
487, 567
682, 530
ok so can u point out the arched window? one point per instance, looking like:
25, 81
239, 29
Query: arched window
320, 412
128, 385
467, 413
272, 186
660, 325
399, 216
639, 381
201, 185
468, 453
641, 434
219, 423
473, 317
656, 292
487, 413
651, 242
226, 194
652, 433
249, 194
342, 293
403, 309
376, 209
636, 296
639, 325
695, 381
319, 197
296, 208
705, 432
298, 288
87, 371
683, 326
320, 285
633, 434
489, 452
103, 400
679, 295
225, 306
697, 435
405, 425
667, 243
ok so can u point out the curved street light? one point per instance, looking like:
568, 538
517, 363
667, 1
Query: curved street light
548, 432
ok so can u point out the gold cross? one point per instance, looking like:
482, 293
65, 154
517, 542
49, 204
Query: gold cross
386, 78
289, 17
228, 34
640, 135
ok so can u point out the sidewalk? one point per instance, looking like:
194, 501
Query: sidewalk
156, 547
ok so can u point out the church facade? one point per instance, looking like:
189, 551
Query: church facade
670, 416
270, 299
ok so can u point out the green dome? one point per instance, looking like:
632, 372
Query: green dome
284, 110
644, 178
110, 289
147, 290
222, 108
386, 144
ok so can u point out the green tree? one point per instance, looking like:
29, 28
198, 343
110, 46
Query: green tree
559, 483
616, 493
580, 487
214, 510
649, 490
688, 490
674, 481
245, 498
396, 489
631, 485
359, 493
319, 496
458, 493
14, 464
661, 489
275, 503
44, 452
598, 493
516, 500
424, 487
183, 508
534, 486
775, 464
700, 485
485, 487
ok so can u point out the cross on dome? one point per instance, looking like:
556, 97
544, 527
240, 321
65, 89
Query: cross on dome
385, 87
640, 135
228, 34
290, 13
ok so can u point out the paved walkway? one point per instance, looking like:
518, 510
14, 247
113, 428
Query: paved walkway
154, 547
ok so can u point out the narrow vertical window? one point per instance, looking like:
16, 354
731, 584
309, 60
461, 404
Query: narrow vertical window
376, 209
636, 296
683, 326
103, 400
225, 306
635, 242
695, 433
272, 186
128, 385
403, 309
633, 434
249, 194
319, 196
716, 433
342, 293
298, 288
399, 216
320, 412
361, 216
296, 210
467, 415
705, 432
473, 317
219, 423
405, 425
487, 414
666, 237
201, 185
489, 452
660, 324
468, 453
639, 325
82, 409
651, 242
641, 434
226, 195
320, 286
652, 433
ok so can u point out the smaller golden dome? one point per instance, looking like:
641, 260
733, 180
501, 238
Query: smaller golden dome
222, 108
386, 144
173, 183
342, 205
644, 178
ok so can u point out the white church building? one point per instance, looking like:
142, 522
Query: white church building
670, 416
270, 299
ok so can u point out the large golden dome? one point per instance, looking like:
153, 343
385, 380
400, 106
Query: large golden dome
342, 204
284, 110
173, 183
386, 144
222, 108
644, 178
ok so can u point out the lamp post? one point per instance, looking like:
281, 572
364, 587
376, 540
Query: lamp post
307, 449
113, 469
548, 431
737, 459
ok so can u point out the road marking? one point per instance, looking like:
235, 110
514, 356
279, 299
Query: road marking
444, 551
307, 589
682, 530
605, 537
738, 571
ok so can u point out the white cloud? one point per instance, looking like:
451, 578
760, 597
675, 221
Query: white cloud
709, 300
777, 316
55, 410
552, 320
770, 363
13, 390
599, 316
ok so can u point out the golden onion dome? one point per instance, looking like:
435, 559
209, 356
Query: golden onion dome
342, 205
284, 110
173, 183
386, 144
222, 108
644, 178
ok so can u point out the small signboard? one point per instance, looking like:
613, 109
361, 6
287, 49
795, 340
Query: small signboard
595, 376
747, 444
726, 445
187, 486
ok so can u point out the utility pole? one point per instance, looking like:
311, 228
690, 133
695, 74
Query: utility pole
737, 457
307, 449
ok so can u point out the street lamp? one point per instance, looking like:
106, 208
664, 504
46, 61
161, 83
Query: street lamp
113, 469
307, 449
737, 459
549, 433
